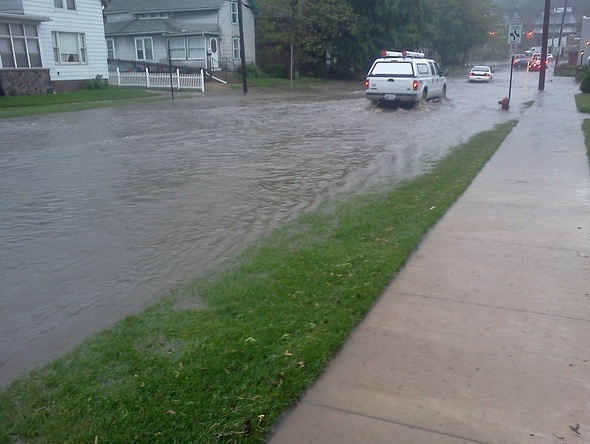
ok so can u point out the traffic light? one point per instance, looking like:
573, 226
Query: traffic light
587, 42
492, 33
529, 34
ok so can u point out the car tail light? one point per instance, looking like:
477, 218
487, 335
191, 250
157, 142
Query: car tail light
415, 85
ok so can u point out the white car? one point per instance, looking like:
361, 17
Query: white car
480, 73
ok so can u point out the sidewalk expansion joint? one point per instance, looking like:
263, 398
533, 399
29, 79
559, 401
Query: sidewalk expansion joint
495, 307
398, 423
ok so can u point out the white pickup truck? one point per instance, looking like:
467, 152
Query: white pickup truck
404, 77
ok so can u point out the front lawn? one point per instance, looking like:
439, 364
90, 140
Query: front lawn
17, 106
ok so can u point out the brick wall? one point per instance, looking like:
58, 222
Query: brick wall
67, 85
16, 82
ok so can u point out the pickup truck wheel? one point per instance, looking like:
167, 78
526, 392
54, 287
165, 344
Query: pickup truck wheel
424, 97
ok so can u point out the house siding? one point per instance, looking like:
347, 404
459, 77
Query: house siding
87, 19
229, 31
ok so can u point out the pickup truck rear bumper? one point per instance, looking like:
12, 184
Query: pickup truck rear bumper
380, 97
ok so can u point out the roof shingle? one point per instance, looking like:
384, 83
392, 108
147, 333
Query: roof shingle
136, 6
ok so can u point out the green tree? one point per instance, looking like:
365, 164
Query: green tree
353, 32
312, 28
394, 24
462, 26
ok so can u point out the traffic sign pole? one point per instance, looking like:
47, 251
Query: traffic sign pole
511, 70
514, 39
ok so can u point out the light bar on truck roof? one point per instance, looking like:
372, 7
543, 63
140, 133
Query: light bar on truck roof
410, 54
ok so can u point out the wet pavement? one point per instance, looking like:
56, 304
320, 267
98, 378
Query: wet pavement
105, 210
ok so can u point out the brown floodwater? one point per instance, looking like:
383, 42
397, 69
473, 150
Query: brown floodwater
105, 210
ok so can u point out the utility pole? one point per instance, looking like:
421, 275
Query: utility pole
544, 45
560, 33
170, 67
242, 50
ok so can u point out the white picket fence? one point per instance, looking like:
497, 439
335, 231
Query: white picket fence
158, 80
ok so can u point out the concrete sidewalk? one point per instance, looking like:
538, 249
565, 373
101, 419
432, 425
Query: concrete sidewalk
484, 336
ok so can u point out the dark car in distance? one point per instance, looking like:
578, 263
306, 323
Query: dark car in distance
520, 61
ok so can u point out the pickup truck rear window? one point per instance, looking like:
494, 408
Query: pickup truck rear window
393, 68
423, 68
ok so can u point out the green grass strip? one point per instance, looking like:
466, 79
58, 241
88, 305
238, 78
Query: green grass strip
275, 317
18, 106
586, 130
583, 102
583, 106
279, 82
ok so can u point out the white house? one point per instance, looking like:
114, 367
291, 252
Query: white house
194, 33
50, 43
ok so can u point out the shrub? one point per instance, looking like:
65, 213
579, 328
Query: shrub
252, 71
96, 83
566, 70
585, 84
581, 73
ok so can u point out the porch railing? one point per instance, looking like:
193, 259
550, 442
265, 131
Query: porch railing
158, 80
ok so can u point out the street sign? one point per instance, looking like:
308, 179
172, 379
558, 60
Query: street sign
513, 49
514, 33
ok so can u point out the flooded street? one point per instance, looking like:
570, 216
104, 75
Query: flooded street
105, 210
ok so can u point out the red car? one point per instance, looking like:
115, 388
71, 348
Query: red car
535, 64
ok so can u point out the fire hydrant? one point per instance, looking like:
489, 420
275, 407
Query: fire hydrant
504, 103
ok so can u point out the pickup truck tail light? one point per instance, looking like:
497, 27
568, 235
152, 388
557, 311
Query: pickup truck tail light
366, 83
415, 85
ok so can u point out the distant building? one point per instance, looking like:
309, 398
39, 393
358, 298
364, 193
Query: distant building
193, 33
570, 24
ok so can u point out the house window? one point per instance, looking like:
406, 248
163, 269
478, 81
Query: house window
234, 13
153, 15
196, 48
144, 48
236, 47
19, 46
69, 5
68, 47
177, 48
189, 48
111, 49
